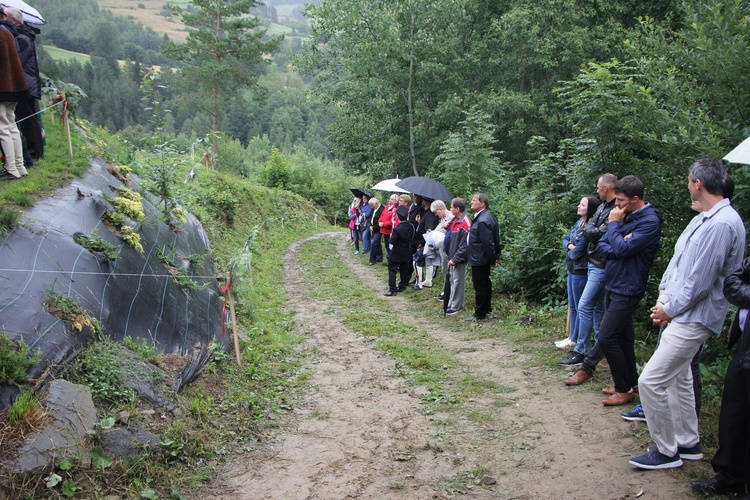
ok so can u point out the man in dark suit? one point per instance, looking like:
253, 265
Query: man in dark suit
484, 250
732, 461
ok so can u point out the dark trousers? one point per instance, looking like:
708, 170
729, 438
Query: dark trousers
376, 249
616, 340
593, 357
402, 268
387, 240
480, 275
30, 128
732, 460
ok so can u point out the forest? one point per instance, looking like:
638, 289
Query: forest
527, 101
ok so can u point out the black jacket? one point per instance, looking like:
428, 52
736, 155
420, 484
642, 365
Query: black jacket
484, 240
25, 37
595, 229
401, 236
737, 292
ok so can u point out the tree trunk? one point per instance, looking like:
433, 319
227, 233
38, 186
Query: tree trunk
217, 90
409, 102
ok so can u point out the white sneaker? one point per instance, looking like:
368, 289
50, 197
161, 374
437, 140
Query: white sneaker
564, 344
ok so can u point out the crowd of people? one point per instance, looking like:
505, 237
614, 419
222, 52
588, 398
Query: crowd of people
20, 90
419, 236
609, 253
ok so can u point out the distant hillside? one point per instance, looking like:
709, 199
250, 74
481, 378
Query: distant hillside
282, 16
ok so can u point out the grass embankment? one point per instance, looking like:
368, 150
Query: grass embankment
224, 410
55, 170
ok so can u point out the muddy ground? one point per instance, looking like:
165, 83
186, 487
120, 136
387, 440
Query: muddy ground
363, 433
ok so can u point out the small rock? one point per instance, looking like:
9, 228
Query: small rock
123, 417
126, 441
147, 414
487, 481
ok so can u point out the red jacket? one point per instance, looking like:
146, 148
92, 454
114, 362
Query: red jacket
387, 219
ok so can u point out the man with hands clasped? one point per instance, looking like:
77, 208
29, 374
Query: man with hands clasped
692, 306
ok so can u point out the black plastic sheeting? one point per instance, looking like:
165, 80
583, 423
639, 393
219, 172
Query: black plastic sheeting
133, 295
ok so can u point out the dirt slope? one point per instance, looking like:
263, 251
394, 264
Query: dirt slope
362, 434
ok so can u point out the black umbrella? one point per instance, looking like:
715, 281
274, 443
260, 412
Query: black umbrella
426, 188
360, 192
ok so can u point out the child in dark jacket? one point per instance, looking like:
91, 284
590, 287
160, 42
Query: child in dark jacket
399, 261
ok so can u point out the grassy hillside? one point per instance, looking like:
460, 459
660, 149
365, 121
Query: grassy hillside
59, 54
149, 13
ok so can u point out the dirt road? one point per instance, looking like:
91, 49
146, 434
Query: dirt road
363, 432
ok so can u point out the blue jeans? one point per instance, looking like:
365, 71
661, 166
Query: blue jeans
576, 284
590, 309
366, 239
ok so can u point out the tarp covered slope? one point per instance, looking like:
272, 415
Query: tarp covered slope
133, 295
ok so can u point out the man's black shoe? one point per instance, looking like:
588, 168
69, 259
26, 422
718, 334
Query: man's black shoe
401, 288
390, 293
474, 317
718, 487
572, 359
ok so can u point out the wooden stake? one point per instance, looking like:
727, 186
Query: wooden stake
234, 324
66, 122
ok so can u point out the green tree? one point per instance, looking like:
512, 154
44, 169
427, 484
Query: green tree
468, 159
222, 54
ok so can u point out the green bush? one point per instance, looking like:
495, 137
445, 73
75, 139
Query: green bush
8, 219
15, 362
99, 367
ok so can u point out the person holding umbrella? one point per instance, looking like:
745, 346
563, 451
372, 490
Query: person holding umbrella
364, 222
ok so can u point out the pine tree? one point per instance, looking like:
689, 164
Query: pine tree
222, 53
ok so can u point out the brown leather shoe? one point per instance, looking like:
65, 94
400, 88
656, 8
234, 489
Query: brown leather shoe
611, 390
578, 377
619, 398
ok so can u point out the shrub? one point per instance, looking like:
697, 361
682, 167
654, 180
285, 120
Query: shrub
94, 243
98, 367
8, 219
15, 362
